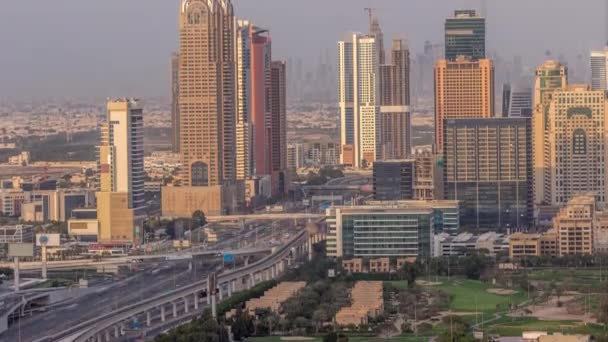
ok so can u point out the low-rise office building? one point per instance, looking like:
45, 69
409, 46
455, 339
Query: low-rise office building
354, 265
388, 229
577, 224
445, 244
380, 265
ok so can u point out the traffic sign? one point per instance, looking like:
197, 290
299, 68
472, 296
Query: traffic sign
228, 257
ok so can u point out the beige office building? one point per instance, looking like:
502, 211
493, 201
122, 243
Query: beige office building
464, 89
575, 150
550, 76
207, 92
522, 244
574, 225
120, 200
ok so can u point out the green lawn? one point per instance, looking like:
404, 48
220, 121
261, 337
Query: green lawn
471, 295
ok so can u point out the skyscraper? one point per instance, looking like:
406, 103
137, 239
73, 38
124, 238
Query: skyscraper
488, 169
599, 69
464, 88
576, 151
206, 92
465, 35
175, 137
120, 199
346, 99
395, 101
358, 94
244, 127
278, 126
260, 100
550, 77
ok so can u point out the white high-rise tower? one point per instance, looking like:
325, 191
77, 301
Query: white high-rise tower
358, 83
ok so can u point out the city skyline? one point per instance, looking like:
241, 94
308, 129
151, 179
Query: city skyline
282, 170
144, 71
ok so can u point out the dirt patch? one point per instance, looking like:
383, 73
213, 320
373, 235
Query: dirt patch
570, 310
428, 283
457, 313
502, 292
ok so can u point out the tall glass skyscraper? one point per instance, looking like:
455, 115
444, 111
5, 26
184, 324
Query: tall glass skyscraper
465, 35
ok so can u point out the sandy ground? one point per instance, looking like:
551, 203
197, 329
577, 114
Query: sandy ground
549, 311
497, 291
454, 313
428, 283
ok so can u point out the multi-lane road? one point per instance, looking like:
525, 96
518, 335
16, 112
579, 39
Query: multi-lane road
151, 278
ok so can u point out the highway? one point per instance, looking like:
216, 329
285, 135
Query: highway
89, 329
155, 277
150, 282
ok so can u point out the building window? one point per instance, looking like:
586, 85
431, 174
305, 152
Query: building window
200, 174
579, 142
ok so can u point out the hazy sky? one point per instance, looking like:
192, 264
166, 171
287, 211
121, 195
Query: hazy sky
100, 48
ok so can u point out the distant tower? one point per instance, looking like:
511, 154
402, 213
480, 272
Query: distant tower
376, 31
68, 127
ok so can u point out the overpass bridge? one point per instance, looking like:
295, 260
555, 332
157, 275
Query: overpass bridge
16, 304
193, 252
183, 302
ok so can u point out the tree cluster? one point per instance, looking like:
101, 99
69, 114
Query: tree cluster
203, 329
326, 173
